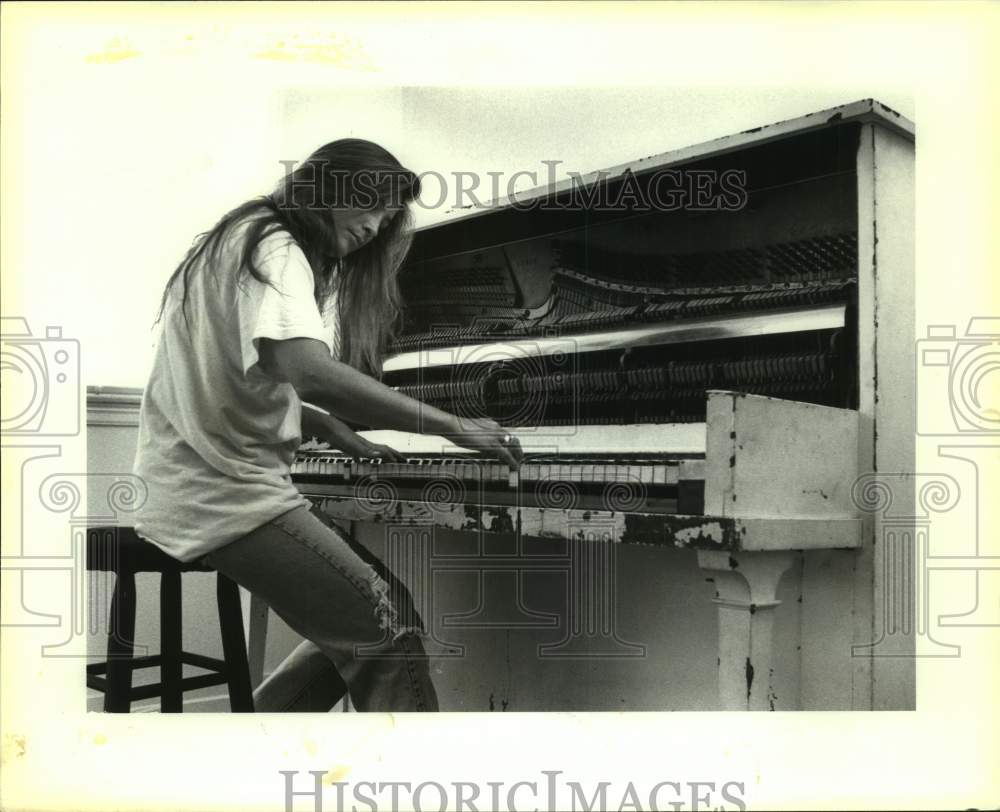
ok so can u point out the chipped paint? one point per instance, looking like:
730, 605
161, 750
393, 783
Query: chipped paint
500, 520
492, 704
695, 532
887, 109
678, 530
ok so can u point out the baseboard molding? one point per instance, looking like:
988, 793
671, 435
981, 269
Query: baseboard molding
113, 406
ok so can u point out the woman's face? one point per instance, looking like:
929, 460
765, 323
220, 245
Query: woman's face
355, 228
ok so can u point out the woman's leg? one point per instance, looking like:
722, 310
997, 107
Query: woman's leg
306, 681
310, 575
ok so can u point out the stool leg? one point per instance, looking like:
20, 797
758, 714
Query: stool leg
171, 665
121, 643
234, 645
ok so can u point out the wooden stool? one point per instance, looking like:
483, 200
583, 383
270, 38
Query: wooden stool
122, 551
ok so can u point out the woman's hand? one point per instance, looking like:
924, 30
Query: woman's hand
359, 448
489, 437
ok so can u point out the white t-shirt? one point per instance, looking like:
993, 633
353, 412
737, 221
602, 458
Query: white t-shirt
217, 436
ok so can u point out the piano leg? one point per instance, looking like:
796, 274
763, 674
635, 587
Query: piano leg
746, 586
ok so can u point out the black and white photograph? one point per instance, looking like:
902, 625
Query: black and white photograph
498, 407
620, 416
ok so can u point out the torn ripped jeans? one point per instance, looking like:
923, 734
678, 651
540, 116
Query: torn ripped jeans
361, 630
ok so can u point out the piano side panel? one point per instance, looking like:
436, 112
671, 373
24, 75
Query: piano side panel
886, 403
887, 296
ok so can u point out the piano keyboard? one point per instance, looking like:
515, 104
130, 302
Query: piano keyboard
615, 482
592, 470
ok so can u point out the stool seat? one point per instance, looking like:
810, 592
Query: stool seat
122, 551
112, 548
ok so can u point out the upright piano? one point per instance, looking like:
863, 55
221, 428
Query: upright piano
707, 350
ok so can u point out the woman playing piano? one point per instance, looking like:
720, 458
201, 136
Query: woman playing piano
292, 299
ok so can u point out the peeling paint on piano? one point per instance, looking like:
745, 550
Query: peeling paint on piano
689, 532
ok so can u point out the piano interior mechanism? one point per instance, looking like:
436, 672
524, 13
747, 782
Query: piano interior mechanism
701, 374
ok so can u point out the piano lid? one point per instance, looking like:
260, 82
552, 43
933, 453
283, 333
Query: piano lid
862, 111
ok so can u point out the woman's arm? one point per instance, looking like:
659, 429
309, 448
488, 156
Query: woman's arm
339, 435
323, 426
306, 364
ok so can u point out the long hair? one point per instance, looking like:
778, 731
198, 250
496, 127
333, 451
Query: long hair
365, 282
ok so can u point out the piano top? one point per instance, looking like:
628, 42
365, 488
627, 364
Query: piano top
862, 111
